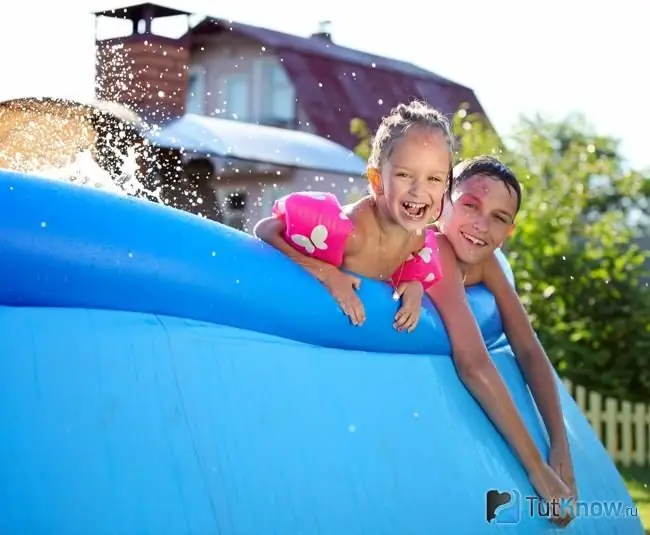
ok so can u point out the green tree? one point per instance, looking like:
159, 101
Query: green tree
573, 254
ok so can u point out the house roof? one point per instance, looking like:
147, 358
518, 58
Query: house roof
251, 142
335, 84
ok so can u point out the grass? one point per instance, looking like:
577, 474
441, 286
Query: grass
637, 480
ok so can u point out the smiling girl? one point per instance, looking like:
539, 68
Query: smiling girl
382, 236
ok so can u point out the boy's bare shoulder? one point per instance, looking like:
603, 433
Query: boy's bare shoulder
484, 270
442, 242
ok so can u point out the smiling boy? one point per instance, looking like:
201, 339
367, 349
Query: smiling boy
479, 213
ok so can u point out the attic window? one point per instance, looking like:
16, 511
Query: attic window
279, 99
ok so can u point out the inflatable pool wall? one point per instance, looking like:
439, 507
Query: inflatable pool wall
163, 374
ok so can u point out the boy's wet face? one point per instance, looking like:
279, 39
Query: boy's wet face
480, 217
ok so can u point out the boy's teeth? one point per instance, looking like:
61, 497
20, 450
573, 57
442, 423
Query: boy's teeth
475, 241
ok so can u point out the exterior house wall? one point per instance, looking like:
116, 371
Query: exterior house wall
224, 66
262, 189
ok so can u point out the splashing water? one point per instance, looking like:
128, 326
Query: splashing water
59, 140
83, 170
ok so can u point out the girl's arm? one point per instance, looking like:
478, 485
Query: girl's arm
532, 359
341, 285
473, 363
271, 230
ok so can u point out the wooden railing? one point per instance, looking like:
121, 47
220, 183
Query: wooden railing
623, 427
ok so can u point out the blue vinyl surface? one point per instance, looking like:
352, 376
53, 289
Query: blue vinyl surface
163, 374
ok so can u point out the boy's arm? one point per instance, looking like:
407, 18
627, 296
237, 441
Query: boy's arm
474, 365
534, 363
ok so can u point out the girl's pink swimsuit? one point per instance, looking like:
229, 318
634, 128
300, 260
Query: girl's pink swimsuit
316, 226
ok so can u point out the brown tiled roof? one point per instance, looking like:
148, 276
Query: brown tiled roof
335, 84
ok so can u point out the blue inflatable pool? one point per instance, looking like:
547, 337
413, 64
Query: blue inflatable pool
163, 374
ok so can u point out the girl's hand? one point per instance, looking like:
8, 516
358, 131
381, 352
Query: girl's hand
408, 315
343, 288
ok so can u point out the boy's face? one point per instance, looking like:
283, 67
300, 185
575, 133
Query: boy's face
480, 217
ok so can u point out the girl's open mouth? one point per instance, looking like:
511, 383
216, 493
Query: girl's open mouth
414, 210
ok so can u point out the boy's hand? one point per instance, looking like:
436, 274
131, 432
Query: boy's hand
561, 463
408, 315
343, 288
555, 493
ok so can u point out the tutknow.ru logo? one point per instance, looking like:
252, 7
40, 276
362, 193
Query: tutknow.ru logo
507, 507
579, 508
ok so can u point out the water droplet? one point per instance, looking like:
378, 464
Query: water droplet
214, 253
130, 255
352, 428
43, 224
416, 414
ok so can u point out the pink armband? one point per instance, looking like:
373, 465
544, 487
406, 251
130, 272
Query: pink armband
424, 266
315, 225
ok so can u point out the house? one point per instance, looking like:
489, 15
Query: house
265, 112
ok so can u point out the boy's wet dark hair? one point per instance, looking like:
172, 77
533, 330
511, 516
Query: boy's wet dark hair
485, 166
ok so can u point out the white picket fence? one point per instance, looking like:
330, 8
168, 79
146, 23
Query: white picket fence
623, 427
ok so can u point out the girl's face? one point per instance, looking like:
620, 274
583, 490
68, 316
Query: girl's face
413, 179
480, 217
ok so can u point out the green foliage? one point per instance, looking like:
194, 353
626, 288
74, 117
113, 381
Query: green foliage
577, 270
360, 130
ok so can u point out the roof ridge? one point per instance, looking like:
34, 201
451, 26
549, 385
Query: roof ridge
330, 50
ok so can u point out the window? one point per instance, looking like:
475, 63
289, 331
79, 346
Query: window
195, 98
278, 97
237, 97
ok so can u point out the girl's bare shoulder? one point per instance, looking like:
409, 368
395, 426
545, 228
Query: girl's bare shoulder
361, 213
358, 208
362, 216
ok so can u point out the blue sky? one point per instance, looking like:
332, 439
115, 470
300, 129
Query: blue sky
551, 56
